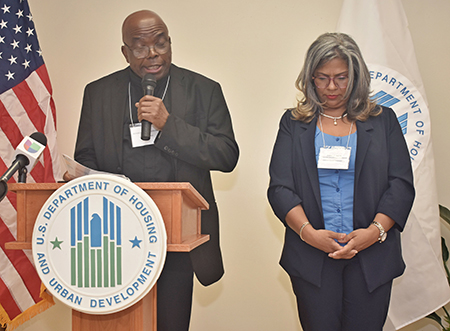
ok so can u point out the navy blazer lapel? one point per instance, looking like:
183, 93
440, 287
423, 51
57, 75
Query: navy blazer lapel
364, 137
309, 157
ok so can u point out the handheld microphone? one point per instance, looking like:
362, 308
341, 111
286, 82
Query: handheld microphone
25, 158
148, 84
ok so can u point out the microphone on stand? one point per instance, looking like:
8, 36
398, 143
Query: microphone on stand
26, 156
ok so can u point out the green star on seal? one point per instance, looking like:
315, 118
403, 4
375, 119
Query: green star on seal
56, 243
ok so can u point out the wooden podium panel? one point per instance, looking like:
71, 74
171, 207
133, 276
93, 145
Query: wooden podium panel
180, 206
140, 316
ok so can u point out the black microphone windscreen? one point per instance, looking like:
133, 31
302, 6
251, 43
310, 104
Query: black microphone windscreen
148, 79
40, 138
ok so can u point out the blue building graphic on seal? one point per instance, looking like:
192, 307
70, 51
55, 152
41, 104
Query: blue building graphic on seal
96, 245
394, 90
388, 100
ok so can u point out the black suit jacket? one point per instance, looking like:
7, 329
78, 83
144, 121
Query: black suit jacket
198, 136
383, 184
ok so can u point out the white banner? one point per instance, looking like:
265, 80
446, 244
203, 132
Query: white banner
380, 28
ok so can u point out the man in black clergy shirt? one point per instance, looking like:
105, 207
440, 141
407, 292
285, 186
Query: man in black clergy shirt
195, 136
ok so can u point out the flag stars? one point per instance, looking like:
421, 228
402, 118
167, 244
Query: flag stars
17, 29
20, 53
12, 60
19, 13
26, 64
15, 44
10, 75
5, 9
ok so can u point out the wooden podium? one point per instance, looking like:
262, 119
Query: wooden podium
180, 206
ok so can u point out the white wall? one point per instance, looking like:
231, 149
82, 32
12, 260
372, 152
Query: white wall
255, 49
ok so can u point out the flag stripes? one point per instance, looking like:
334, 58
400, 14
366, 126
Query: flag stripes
26, 106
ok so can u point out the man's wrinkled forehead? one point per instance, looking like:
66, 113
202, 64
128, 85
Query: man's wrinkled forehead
143, 25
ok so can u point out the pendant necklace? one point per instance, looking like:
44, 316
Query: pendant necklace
332, 117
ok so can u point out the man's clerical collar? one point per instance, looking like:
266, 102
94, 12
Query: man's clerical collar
160, 84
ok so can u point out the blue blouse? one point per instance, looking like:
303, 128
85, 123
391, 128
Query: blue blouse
337, 186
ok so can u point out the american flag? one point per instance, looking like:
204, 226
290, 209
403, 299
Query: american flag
26, 106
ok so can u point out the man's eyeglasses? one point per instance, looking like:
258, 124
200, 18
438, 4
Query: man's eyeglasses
324, 81
143, 51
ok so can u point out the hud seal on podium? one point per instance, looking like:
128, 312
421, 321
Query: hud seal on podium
99, 244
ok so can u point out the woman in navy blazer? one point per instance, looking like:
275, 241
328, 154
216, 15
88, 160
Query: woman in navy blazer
341, 182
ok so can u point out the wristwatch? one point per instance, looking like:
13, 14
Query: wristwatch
383, 234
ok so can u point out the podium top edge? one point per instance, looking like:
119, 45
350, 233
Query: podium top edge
186, 187
149, 185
